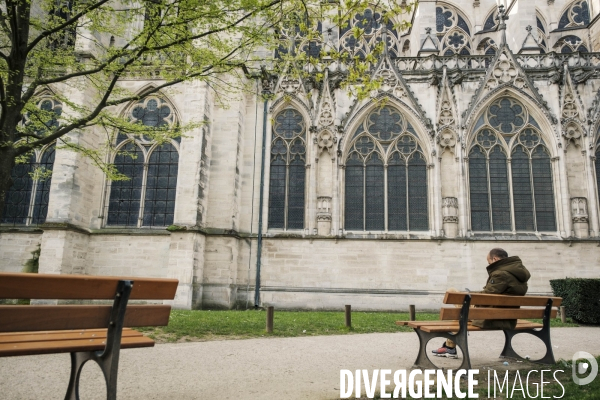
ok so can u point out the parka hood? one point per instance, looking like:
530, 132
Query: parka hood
513, 265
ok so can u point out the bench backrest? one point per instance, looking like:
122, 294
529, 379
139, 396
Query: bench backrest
497, 306
17, 318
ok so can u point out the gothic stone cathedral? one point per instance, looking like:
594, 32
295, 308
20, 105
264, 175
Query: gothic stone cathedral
485, 133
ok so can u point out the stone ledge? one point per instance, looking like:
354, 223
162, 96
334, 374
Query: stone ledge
20, 229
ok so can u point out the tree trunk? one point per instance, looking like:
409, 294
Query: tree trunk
7, 162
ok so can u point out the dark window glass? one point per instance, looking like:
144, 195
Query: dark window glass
490, 22
397, 214
161, 184
18, 198
296, 194
522, 195
463, 25
354, 189
499, 190
374, 194
277, 194
42, 192
417, 193
288, 175
576, 15
125, 195
544, 193
597, 163
479, 195
540, 25
366, 196
443, 19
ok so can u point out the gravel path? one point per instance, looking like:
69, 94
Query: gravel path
270, 368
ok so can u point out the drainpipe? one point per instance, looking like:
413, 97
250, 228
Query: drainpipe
266, 96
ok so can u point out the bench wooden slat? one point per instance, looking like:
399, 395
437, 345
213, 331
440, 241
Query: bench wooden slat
484, 299
44, 318
496, 313
82, 287
471, 328
417, 324
22, 337
67, 346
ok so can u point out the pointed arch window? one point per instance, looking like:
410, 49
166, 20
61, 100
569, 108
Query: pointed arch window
491, 23
147, 197
577, 15
26, 202
570, 44
293, 39
288, 171
385, 154
453, 31
510, 174
541, 30
372, 26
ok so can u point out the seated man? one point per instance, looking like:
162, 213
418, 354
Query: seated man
506, 275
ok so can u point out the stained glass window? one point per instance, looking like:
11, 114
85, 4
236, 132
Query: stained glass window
418, 219
287, 179
126, 195
354, 189
18, 199
374, 194
571, 44
27, 200
365, 178
491, 23
42, 192
293, 39
530, 178
522, 194
452, 31
576, 15
161, 184
542, 188
147, 197
597, 164
478, 179
371, 24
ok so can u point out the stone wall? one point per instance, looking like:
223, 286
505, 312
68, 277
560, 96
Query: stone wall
16, 248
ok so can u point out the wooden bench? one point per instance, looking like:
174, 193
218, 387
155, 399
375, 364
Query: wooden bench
455, 323
87, 331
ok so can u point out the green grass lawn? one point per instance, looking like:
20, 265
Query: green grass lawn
185, 325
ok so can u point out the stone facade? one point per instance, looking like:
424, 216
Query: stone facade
218, 223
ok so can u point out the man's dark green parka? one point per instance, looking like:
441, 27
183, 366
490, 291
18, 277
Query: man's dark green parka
507, 276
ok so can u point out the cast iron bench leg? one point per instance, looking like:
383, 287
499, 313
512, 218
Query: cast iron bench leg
460, 338
543, 334
107, 359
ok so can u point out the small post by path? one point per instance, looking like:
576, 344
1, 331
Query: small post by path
348, 316
411, 310
270, 312
563, 315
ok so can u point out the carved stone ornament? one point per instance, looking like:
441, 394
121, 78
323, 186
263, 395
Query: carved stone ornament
572, 135
570, 107
389, 81
450, 209
323, 208
505, 71
289, 85
326, 116
326, 140
447, 140
446, 116
579, 209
